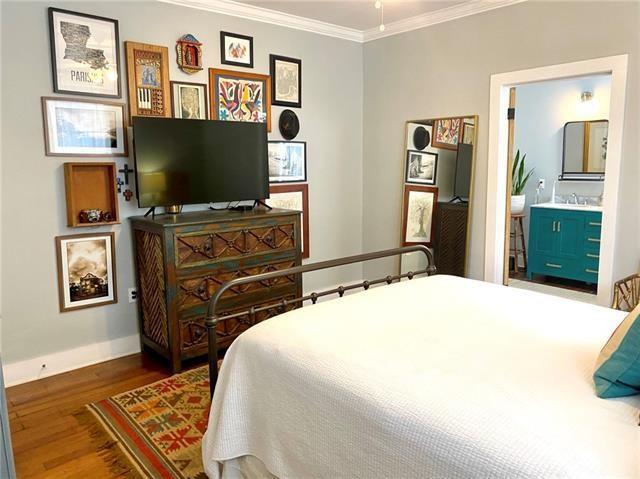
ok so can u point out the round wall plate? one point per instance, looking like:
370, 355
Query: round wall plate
421, 138
289, 124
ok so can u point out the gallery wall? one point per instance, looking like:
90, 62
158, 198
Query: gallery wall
542, 109
445, 70
33, 205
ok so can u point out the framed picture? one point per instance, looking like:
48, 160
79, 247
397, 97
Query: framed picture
293, 197
86, 270
148, 79
240, 96
420, 203
446, 133
421, 167
75, 127
189, 100
85, 54
286, 77
468, 133
236, 49
287, 161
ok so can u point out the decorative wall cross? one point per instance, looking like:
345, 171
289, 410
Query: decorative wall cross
125, 171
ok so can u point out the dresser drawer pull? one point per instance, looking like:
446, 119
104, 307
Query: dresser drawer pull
554, 226
593, 223
594, 240
553, 265
592, 271
591, 255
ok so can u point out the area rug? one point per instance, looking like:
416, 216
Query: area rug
154, 431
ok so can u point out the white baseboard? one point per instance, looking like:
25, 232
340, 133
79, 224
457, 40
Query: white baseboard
63, 361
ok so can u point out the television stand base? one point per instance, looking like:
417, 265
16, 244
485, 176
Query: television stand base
248, 207
261, 203
152, 212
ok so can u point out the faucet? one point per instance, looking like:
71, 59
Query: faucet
575, 198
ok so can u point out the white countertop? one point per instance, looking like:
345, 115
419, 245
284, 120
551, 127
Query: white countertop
569, 206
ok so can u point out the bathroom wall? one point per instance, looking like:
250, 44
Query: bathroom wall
542, 109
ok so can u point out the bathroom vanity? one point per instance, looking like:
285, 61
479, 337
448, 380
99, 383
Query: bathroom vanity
564, 241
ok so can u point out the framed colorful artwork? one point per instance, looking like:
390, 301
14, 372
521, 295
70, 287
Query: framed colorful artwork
421, 167
148, 79
240, 96
236, 49
287, 161
85, 54
447, 133
418, 225
189, 100
293, 197
286, 81
86, 270
77, 127
468, 133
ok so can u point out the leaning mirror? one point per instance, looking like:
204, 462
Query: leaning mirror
438, 164
584, 152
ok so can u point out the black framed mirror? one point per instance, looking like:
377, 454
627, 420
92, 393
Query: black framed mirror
584, 150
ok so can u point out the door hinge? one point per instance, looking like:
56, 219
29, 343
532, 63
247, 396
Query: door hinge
511, 113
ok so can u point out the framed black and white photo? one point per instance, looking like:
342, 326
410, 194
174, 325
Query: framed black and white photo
85, 54
75, 127
287, 161
286, 81
189, 100
86, 270
236, 49
421, 167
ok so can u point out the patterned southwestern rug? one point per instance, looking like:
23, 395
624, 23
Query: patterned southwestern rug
154, 431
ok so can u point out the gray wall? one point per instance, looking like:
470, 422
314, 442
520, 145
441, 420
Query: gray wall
33, 207
444, 70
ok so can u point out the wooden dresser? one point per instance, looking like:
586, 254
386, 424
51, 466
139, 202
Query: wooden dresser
450, 244
182, 259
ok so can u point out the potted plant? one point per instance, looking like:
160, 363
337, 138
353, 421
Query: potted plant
519, 181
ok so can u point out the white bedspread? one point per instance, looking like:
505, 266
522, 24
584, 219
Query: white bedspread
437, 377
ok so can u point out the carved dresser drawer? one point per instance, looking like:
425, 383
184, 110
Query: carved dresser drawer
181, 260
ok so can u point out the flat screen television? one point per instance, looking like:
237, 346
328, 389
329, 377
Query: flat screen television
182, 162
462, 182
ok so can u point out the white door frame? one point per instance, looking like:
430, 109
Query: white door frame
498, 162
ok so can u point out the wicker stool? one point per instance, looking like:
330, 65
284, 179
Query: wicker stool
517, 233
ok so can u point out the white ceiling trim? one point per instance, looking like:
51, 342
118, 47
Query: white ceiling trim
265, 15
471, 7
259, 14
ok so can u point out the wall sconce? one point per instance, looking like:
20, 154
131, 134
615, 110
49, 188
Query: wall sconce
586, 96
587, 107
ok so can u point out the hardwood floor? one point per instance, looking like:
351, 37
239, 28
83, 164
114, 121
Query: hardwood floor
47, 439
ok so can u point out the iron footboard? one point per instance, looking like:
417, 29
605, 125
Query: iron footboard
212, 317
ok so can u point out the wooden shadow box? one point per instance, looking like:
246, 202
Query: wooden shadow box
91, 186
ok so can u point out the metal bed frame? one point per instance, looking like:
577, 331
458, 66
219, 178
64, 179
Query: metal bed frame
212, 318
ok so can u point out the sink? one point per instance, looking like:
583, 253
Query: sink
568, 206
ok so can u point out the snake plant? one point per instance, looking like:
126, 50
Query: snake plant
519, 177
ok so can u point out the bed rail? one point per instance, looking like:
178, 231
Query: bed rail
212, 317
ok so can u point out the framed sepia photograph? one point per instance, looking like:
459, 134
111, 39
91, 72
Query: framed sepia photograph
468, 133
75, 127
418, 225
189, 100
286, 78
421, 167
240, 96
236, 49
447, 133
85, 54
293, 197
287, 161
86, 270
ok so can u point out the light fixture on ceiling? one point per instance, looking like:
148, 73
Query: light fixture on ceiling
380, 6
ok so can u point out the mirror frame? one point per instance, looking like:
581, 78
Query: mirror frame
471, 183
578, 176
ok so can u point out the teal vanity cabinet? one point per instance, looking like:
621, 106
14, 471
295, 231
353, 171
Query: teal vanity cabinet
564, 243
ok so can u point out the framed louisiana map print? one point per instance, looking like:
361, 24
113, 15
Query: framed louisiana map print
240, 96
85, 54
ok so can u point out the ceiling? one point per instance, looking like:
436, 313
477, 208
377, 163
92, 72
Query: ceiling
356, 14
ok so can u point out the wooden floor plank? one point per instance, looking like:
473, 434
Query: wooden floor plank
48, 441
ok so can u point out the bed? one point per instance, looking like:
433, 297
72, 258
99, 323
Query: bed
438, 377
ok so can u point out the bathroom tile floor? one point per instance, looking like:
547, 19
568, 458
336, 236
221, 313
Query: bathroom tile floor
555, 291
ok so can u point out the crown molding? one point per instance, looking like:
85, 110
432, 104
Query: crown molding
466, 9
273, 17
264, 15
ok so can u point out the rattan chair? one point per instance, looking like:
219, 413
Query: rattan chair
626, 293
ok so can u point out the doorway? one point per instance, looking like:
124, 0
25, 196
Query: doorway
501, 161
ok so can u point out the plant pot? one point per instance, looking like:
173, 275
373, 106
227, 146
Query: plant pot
517, 204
